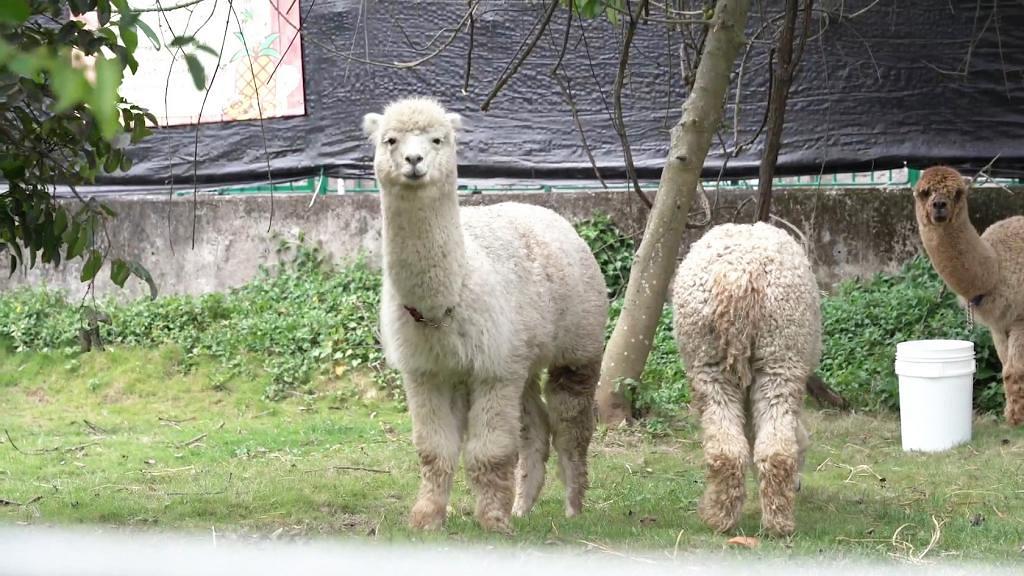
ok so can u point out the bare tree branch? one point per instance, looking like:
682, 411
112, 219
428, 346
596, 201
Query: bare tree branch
620, 125
159, 8
522, 58
469, 53
785, 71
259, 110
195, 152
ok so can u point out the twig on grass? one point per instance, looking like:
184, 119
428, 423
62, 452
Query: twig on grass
194, 493
11, 442
352, 468
200, 437
608, 550
174, 422
33, 500
96, 429
167, 471
936, 535
75, 448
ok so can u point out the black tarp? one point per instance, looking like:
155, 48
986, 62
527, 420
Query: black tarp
882, 83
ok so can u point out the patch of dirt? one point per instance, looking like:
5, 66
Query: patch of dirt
38, 395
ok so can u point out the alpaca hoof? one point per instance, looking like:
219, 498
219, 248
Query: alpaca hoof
779, 526
717, 519
426, 515
573, 511
494, 522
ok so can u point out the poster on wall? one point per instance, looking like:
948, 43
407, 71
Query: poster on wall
253, 64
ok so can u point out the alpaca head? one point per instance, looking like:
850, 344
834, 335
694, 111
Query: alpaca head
415, 146
940, 196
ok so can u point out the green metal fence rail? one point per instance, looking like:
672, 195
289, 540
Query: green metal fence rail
322, 185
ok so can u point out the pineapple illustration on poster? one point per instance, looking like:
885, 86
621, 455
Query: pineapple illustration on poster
251, 57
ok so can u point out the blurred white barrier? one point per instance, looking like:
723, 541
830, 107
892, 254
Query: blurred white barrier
90, 552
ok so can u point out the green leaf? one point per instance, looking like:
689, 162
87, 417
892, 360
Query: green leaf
195, 68
613, 15
139, 129
140, 272
81, 240
103, 12
104, 97
92, 265
207, 49
78, 7
71, 234
112, 161
16, 11
129, 36
180, 41
119, 272
69, 84
141, 24
60, 221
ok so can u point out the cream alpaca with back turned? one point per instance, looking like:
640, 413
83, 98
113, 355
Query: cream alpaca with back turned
748, 326
476, 304
986, 272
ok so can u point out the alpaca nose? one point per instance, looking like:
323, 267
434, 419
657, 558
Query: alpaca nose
414, 159
939, 204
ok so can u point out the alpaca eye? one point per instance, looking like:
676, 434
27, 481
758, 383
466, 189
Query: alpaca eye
437, 141
391, 141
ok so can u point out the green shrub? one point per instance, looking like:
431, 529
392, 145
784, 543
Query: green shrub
864, 320
612, 249
298, 320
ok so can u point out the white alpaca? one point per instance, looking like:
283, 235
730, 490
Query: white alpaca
748, 325
476, 304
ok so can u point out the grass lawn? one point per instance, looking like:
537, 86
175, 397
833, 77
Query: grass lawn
125, 438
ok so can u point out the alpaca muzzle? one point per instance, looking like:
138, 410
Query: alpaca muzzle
940, 210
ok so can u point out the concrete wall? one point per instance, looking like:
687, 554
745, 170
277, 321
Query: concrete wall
853, 232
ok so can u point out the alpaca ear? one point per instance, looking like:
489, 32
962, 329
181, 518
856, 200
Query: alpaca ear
371, 123
455, 119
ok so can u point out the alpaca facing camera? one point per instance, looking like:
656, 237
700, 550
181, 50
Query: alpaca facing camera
985, 271
476, 304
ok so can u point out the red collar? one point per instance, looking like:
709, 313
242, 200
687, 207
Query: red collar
418, 317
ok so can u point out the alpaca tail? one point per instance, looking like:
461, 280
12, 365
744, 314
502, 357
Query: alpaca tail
736, 298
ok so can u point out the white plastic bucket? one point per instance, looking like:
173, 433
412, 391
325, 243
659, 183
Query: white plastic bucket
936, 383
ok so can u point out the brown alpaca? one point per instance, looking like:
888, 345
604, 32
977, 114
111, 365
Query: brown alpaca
985, 271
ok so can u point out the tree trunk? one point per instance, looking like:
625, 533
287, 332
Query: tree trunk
784, 71
630, 344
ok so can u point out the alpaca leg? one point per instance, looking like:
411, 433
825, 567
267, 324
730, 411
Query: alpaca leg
775, 400
726, 450
437, 437
570, 395
1000, 340
803, 440
534, 447
1013, 377
492, 448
